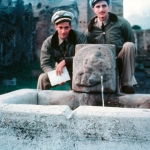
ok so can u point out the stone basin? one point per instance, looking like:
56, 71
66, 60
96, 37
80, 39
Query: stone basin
29, 122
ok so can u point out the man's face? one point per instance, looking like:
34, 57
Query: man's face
63, 29
101, 9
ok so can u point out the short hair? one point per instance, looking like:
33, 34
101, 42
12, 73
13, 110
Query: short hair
93, 2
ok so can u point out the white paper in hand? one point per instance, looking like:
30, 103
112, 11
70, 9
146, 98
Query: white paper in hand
57, 79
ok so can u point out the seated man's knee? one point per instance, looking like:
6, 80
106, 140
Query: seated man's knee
43, 77
129, 45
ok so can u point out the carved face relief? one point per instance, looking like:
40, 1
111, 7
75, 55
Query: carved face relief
90, 63
93, 67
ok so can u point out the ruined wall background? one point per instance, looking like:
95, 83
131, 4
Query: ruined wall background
28, 25
142, 38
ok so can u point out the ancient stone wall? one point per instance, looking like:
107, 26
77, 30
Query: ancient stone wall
117, 7
42, 27
43, 10
142, 38
142, 41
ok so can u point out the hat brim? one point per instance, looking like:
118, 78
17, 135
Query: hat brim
62, 19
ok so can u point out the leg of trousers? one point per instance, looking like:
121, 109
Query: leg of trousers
126, 64
43, 82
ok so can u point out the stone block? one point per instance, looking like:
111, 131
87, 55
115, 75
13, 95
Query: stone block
92, 61
23, 96
58, 128
48, 97
74, 99
135, 101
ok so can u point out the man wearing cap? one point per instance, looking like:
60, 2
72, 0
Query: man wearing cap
59, 48
108, 28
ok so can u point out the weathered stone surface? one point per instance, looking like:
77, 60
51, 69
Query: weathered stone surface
75, 99
92, 61
58, 98
58, 128
70, 98
142, 40
135, 101
143, 50
117, 7
23, 96
82, 6
83, 15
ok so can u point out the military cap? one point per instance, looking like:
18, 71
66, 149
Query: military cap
62, 16
93, 2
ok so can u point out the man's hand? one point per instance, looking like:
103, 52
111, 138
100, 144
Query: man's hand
59, 67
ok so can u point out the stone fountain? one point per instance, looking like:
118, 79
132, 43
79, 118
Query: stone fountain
63, 120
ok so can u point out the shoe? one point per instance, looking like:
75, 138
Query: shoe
127, 89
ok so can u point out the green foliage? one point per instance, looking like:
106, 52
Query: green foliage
17, 34
136, 27
23, 73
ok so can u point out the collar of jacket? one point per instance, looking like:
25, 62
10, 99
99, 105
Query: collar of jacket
55, 40
112, 18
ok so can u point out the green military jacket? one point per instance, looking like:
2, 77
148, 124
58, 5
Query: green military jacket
117, 31
51, 52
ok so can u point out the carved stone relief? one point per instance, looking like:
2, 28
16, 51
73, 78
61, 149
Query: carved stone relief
90, 63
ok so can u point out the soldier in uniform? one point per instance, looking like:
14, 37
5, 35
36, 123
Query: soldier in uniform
59, 48
108, 28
